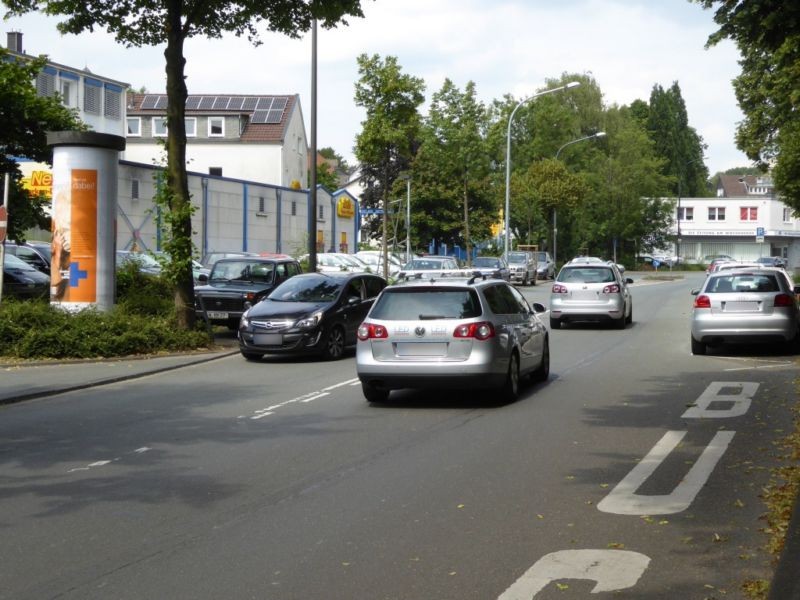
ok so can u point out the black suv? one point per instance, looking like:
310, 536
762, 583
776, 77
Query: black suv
36, 254
235, 284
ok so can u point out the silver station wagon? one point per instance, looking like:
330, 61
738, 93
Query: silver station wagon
591, 291
745, 305
451, 332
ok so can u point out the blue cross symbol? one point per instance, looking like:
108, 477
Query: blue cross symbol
75, 274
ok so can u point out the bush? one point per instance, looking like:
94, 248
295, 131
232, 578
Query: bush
142, 322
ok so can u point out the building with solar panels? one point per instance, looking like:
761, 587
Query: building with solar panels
255, 138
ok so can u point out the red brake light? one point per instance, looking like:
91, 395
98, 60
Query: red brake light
611, 289
559, 289
480, 331
369, 331
702, 302
784, 300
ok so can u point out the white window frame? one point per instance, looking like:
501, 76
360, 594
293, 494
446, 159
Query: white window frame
751, 216
190, 122
211, 123
787, 214
162, 120
138, 122
686, 213
716, 213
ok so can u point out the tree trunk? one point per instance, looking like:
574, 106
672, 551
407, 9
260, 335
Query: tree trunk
177, 180
466, 224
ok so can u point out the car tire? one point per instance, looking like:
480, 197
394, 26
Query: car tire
373, 393
698, 348
333, 346
525, 280
555, 323
543, 372
510, 389
252, 356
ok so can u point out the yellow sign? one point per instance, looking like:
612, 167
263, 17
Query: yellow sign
39, 183
345, 208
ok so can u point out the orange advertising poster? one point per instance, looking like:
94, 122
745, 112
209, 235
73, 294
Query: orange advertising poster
83, 234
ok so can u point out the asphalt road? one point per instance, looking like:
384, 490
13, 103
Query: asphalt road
635, 471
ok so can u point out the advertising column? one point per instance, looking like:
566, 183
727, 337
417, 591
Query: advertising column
82, 272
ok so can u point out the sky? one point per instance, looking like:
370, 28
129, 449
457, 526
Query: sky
503, 46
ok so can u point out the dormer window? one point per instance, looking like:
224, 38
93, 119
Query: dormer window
216, 126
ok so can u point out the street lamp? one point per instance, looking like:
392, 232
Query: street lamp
407, 178
599, 134
678, 238
506, 224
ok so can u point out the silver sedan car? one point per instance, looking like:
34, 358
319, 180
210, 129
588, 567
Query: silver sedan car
745, 305
453, 333
591, 291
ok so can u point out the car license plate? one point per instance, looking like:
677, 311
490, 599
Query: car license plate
421, 349
268, 339
212, 314
741, 306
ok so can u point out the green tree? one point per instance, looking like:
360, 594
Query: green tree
25, 117
767, 33
172, 22
676, 141
385, 145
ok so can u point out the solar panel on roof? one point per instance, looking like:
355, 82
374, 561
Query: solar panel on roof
192, 102
259, 116
161, 102
221, 102
149, 102
206, 102
265, 103
279, 103
250, 104
235, 104
274, 116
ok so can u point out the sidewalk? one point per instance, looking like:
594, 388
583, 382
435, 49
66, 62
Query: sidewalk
21, 381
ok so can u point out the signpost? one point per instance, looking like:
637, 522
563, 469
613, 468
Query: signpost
3, 229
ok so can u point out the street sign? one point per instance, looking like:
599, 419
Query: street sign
3, 223
759, 235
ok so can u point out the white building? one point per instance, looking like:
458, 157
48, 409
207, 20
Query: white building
745, 220
250, 137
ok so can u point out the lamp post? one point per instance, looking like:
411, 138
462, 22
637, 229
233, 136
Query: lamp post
407, 178
507, 211
599, 134
678, 238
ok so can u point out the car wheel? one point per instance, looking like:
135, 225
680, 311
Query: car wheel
510, 389
543, 372
555, 323
373, 393
525, 279
333, 348
252, 356
698, 347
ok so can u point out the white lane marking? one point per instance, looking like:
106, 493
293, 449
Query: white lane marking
103, 463
739, 394
142, 450
612, 570
624, 501
260, 413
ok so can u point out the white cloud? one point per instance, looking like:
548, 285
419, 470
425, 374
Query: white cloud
504, 46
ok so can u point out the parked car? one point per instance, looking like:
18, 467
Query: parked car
545, 267
36, 254
235, 284
451, 333
428, 265
745, 305
592, 291
772, 261
312, 313
147, 264
491, 266
522, 267
711, 259
329, 262
374, 261
22, 281
209, 258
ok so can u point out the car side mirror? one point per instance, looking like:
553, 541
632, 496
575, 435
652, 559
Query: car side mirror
353, 300
202, 278
695, 292
538, 307
628, 280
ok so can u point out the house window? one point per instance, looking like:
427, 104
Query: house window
787, 215
92, 96
216, 127
321, 212
113, 101
261, 204
134, 126
46, 82
716, 213
159, 126
66, 92
294, 208
134, 189
686, 213
191, 126
215, 171
748, 213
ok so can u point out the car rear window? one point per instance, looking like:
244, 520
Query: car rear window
586, 275
743, 283
412, 304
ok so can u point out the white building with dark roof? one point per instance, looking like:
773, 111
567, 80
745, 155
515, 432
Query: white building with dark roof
251, 137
